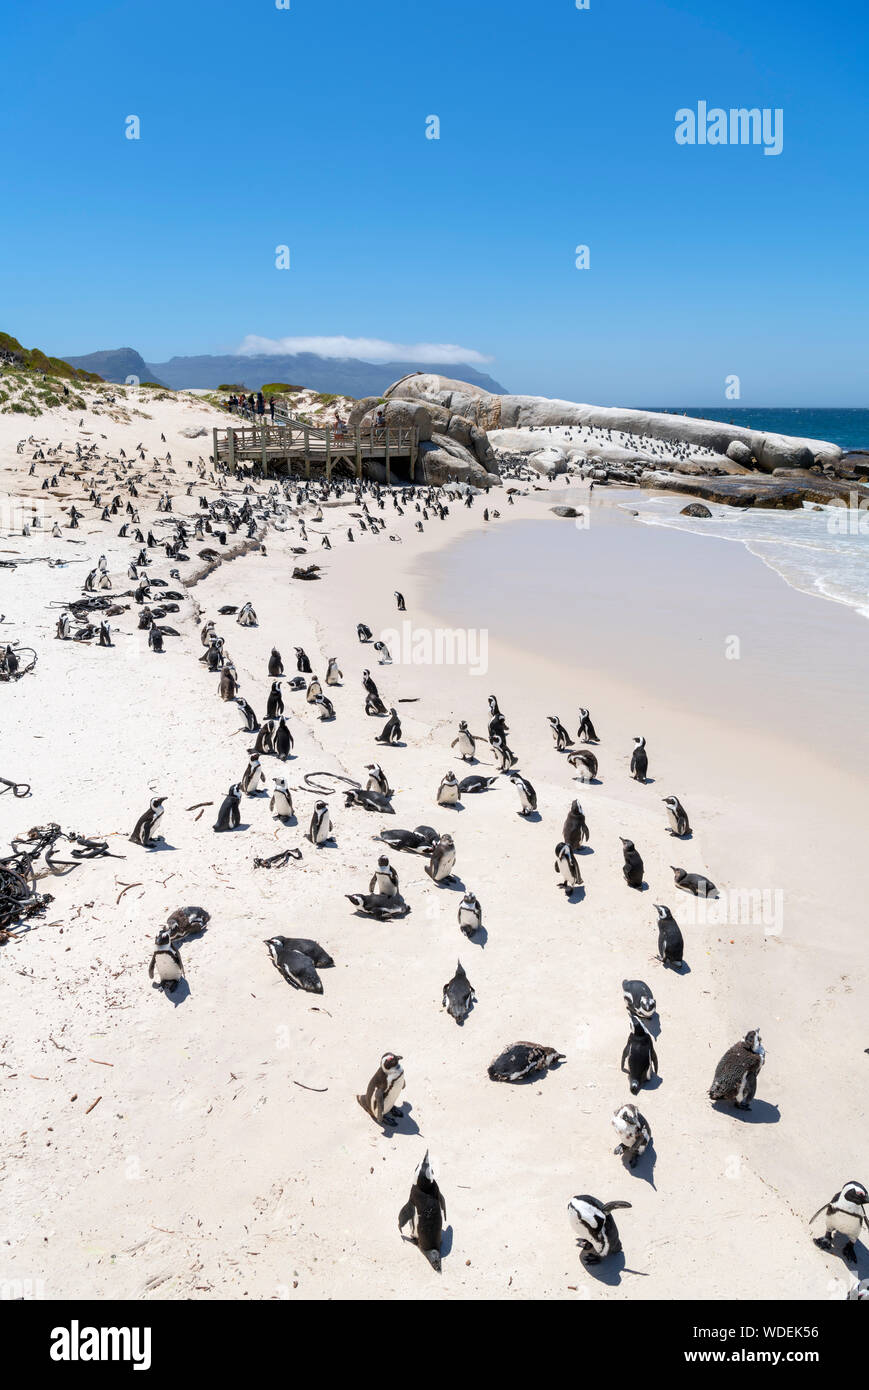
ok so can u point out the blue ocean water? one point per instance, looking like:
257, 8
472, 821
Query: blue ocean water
849, 428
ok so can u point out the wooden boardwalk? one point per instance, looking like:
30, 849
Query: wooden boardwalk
286, 444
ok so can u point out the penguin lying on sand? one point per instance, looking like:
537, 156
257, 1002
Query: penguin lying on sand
695, 884
523, 1059
187, 921
417, 841
296, 967
370, 801
425, 1212
382, 906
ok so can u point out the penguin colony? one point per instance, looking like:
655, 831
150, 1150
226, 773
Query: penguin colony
299, 960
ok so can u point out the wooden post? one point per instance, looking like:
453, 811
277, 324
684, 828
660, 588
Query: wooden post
413, 454
358, 454
264, 446
307, 453
328, 455
230, 439
386, 455
214, 445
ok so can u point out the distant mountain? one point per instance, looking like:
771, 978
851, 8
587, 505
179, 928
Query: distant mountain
116, 365
344, 376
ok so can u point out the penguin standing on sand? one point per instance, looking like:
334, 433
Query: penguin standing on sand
425, 1213
166, 962
276, 665
363, 632
227, 687
265, 738
229, 815
736, 1075
384, 880
275, 704
320, 829
333, 675
377, 781
302, 663
281, 804
448, 791
470, 914
527, 794
671, 944
251, 721
639, 760
584, 764
845, 1215
505, 758
254, 779
575, 830
443, 857
559, 733
634, 1133
640, 1055
458, 995
464, 742
567, 865
633, 865
399, 602
586, 733
595, 1229
155, 640
384, 1088
677, 817
143, 831
639, 999
314, 691
391, 731
282, 740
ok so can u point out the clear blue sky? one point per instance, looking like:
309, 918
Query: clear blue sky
306, 127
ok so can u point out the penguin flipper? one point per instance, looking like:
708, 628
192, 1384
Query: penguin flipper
151, 976
614, 1206
405, 1216
818, 1213
624, 1055
443, 1204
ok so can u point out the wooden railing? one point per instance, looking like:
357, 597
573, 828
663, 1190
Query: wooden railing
287, 438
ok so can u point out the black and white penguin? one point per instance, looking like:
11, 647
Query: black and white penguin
736, 1075
314, 691
458, 995
633, 865
575, 831
677, 817
246, 616
470, 914
383, 653
860, 1292
229, 815
265, 738
105, 635
425, 1213
634, 1134
596, 1232
695, 884
370, 801
640, 1055
504, 757
383, 907
254, 778
166, 962
320, 829
476, 783
448, 791
523, 1059
586, 733
363, 632
296, 967
442, 862
276, 664
418, 841
399, 602
567, 865
155, 639
143, 831
333, 675
671, 944
384, 880
465, 742
275, 705
559, 733
527, 794
227, 687
639, 760
384, 1088
187, 921
208, 633
377, 780
282, 740
639, 999
251, 721
391, 731
281, 804
302, 663
845, 1215
369, 685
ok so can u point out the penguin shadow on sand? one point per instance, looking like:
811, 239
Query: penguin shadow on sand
161, 844
178, 994
644, 1168
576, 895
684, 969
479, 937
404, 1124
762, 1112
610, 1270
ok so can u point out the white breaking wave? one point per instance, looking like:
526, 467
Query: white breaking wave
819, 551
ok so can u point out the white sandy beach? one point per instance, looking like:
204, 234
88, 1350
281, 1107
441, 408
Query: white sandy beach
206, 1170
